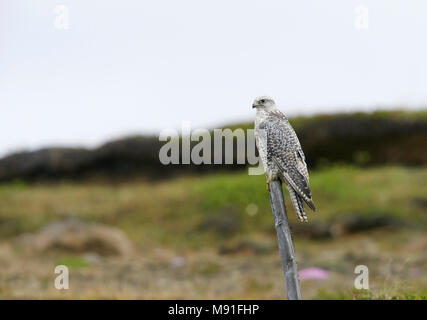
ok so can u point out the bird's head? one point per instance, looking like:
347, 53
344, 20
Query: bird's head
264, 102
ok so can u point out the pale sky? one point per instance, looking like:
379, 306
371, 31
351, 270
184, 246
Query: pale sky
130, 67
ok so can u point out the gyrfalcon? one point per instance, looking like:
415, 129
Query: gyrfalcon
281, 153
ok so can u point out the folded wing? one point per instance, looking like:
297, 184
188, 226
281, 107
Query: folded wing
284, 149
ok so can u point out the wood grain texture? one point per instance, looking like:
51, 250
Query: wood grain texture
284, 236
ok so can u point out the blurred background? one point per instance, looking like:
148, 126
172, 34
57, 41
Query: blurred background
86, 87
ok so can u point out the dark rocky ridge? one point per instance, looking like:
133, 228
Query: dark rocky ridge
364, 140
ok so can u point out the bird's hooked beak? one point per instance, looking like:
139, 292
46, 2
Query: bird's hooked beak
254, 105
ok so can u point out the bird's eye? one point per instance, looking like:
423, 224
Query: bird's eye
262, 101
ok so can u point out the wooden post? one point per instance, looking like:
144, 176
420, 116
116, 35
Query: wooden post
284, 236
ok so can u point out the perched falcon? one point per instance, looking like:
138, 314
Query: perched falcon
281, 153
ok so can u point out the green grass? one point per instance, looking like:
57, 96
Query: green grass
192, 212
336, 191
195, 217
73, 262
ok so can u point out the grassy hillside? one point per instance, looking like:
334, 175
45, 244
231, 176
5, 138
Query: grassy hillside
302, 121
364, 139
222, 228
152, 211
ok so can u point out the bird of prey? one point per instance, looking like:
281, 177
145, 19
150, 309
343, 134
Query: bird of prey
281, 153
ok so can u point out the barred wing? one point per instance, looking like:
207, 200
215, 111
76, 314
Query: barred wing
284, 149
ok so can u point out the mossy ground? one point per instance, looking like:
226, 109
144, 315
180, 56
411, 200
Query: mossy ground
195, 218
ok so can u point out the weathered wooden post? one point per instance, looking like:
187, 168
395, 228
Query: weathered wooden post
284, 236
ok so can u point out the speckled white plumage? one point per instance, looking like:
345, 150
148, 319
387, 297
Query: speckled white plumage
281, 153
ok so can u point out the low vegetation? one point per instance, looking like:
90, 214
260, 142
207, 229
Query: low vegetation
214, 236
364, 139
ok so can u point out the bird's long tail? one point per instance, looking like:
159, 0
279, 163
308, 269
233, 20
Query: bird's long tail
298, 204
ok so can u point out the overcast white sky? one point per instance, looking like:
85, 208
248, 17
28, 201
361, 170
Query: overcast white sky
129, 67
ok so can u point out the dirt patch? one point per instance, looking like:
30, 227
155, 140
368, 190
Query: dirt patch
75, 236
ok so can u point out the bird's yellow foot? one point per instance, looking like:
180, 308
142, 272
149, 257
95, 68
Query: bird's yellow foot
268, 185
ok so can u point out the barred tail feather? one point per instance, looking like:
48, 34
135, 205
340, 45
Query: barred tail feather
311, 205
301, 206
303, 191
297, 202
